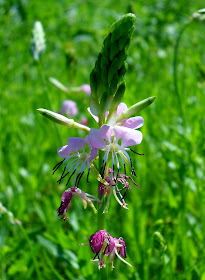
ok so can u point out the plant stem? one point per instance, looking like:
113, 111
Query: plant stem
103, 273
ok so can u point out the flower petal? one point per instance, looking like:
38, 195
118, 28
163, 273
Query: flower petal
120, 131
135, 122
133, 137
93, 150
75, 144
105, 132
121, 108
63, 152
110, 247
96, 140
94, 117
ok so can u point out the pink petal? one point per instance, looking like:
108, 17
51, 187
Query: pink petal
133, 137
69, 107
105, 132
121, 108
110, 247
120, 131
93, 150
95, 140
63, 152
75, 144
94, 117
93, 153
135, 122
86, 88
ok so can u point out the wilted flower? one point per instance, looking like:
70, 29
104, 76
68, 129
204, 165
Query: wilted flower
69, 108
103, 244
76, 159
67, 196
114, 182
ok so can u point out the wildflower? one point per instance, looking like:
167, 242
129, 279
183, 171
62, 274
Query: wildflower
38, 42
115, 141
76, 159
69, 108
86, 88
103, 244
84, 121
67, 196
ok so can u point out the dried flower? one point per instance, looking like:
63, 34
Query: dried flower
67, 196
103, 244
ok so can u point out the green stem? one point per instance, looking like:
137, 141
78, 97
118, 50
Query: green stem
175, 74
101, 216
103, 273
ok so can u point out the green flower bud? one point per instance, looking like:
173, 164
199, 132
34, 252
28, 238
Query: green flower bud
133, 110
60, 119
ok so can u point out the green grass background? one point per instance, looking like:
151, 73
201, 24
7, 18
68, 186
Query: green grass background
171, 196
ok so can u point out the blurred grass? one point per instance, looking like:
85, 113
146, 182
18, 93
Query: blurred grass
171, 196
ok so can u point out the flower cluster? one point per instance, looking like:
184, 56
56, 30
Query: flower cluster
115, 141
109, 146
79, 154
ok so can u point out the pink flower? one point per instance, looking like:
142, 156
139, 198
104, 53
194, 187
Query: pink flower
103, 244
69, 108
67, 196
115, 141
78, 158
86, 88
84, 121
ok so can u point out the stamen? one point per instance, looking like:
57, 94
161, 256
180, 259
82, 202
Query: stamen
88, 175
123, 162
136, 152
88, 166
113, 164
133, 170
105, 158
79, 178
133, 181
121, 258
63, 176
102, 169
121, 197
71, 176
118, 165
57, 166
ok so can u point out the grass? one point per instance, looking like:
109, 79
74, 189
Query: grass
171, 196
